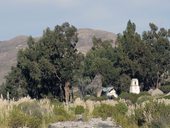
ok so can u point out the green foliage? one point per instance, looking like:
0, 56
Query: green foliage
144, 98
124, 83
146, 57
121, 108
94, 98
132, 97
153, 114
125, 121
165, 88
61, 114
167, 97
15, 84
32, 109
79, 109
44, 65
129, 96
117, 112
100, 60
103, 111
34, 122
19, 119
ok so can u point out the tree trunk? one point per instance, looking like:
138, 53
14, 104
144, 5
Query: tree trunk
158, 81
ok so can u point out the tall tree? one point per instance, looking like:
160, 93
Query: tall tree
100, 60
159, 45
47, 64
129, 52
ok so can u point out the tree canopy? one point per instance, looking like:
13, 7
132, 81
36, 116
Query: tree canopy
46, 64
146, 58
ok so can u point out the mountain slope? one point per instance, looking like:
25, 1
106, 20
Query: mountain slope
85, 38
9, 49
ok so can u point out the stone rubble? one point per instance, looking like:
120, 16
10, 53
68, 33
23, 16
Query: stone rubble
93, 123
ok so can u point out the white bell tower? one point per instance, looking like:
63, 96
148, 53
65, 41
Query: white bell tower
134, 87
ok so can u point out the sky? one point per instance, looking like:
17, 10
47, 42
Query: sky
31, 17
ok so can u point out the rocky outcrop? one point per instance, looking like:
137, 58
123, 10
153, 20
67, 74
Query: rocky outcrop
155, 92
95, 86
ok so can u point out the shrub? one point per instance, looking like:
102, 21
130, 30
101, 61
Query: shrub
17, 119
139, 117
61, 114
144, 98
93, 98
132, 97
129, 96
121, 108
32, 108
153, 114
103, 111
125, 121
167, 97
165, 88
79, 109
34, 122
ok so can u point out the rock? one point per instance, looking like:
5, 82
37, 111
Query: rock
150, 91
95, 86
93, 123
155, 92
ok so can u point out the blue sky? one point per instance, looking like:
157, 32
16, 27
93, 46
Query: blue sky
31, 17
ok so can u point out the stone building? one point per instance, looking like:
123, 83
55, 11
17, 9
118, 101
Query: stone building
134, 87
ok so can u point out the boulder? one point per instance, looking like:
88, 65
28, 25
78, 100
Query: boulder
155, 92
95, 86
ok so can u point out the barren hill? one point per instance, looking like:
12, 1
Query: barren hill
85, 38
9, 48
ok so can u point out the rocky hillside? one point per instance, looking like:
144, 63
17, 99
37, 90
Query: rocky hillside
85, 38
9, 48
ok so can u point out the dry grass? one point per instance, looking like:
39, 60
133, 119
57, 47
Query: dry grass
7, 106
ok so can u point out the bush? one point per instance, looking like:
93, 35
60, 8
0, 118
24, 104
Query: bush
153, 114
139, 117
132, 97
79, 109
32, 109
93, 98
167, 97
103, 111
121, 108
165, 88
125, 121
129, 96
144, 98
34, 122
19, 119
61, 114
